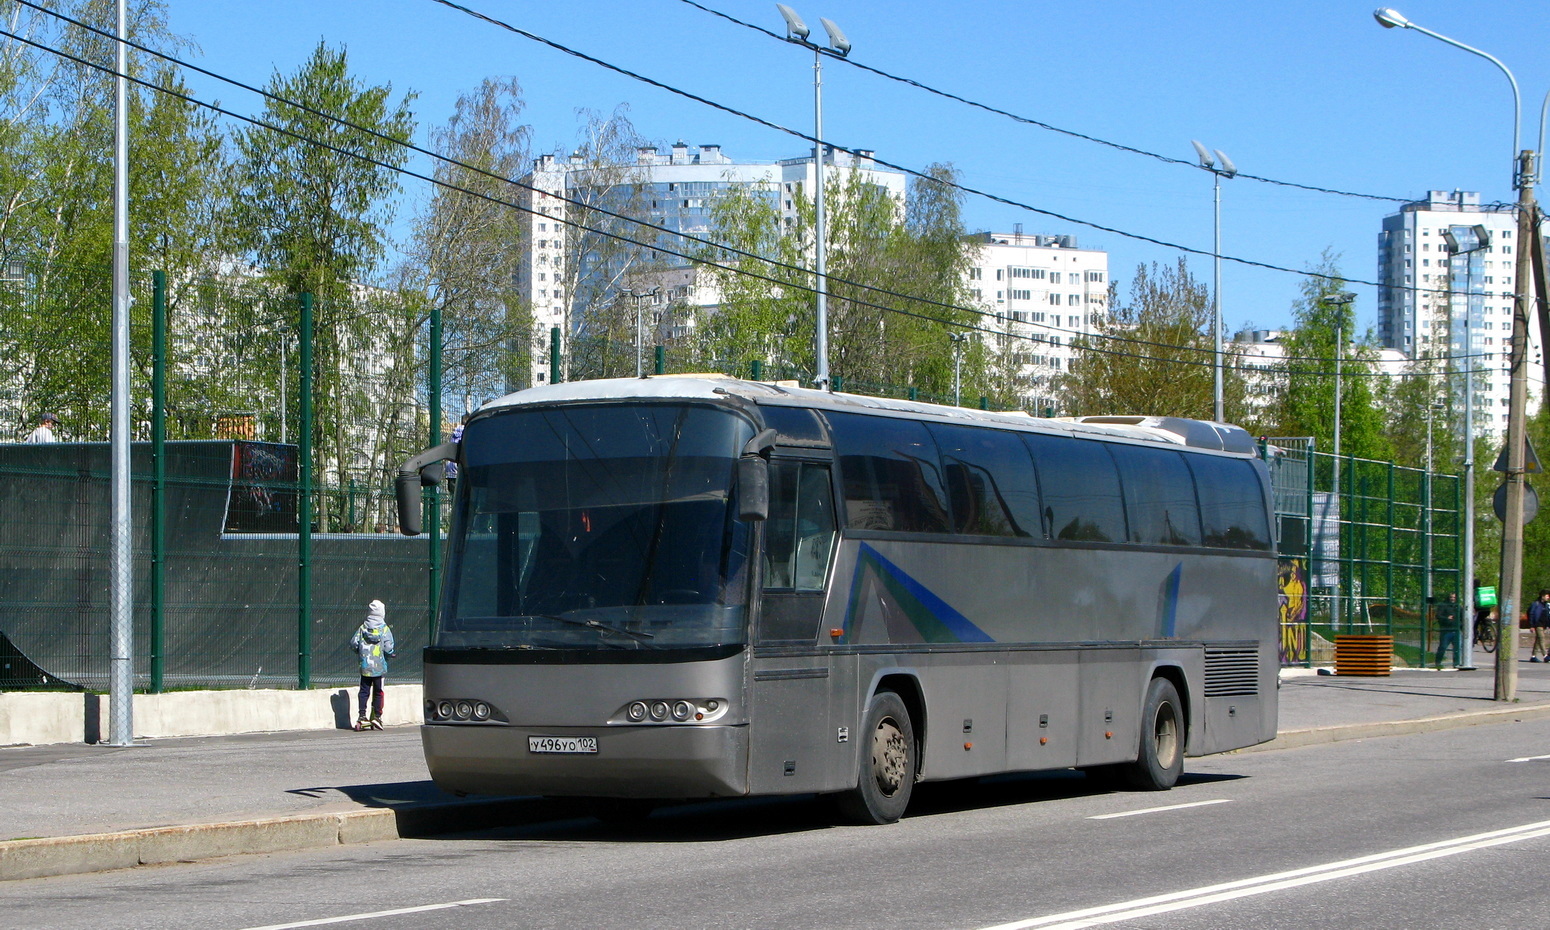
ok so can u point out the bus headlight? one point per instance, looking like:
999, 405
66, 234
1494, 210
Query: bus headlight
463, 710
671, 711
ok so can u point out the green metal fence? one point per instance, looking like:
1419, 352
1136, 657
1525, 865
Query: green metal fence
267, 430
1367, 547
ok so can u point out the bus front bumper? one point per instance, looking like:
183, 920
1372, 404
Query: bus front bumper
630, 762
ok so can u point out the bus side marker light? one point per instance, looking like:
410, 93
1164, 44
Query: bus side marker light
836, 633
967, 746
1043, 740
1108, 734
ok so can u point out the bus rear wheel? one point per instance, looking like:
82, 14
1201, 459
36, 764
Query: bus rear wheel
1160, 760
888, 764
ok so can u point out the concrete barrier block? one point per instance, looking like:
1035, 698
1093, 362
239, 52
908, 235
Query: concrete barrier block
36, 719
370, 826
204, 841
67, 855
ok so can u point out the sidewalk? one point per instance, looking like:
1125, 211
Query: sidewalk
78, 808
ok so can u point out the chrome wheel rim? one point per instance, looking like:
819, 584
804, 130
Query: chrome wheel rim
890, 757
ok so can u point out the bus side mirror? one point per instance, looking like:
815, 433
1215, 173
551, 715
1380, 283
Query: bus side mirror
425, 469
753, 478
753, 488
407, 489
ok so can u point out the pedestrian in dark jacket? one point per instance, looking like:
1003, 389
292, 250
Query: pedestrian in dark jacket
1450, 621
1538, 621
373, 642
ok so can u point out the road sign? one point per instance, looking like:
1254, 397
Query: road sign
1530, 502
1530, 459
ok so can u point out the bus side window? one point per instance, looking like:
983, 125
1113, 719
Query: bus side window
800, 530
814, 528
1080, 485
780, 527
1159, 496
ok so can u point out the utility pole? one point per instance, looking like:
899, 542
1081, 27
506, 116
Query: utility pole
1517, 404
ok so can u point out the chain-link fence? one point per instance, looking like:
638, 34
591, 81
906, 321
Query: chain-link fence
1367, 547
270, 407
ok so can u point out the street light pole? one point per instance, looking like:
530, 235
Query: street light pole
637, 296
958, 339
1339, 301
1524, 171
1455, 247
1226, 169
797, 33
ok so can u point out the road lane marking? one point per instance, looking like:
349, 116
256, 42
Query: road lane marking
393, 913
1154, 810
1277, 881
1529, 759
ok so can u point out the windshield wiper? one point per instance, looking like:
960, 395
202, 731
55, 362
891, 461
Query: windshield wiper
589, 623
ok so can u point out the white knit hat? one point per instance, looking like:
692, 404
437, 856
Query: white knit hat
376, 610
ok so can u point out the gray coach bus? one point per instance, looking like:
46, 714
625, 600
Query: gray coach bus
695, 586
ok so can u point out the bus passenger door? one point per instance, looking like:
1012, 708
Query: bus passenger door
793, 743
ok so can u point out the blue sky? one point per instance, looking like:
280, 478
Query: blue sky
1314, 93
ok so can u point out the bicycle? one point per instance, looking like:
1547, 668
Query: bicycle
1485, 633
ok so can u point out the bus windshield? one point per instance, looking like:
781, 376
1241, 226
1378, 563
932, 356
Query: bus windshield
598, 527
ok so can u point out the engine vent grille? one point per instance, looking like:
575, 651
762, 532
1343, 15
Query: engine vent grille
1232, 672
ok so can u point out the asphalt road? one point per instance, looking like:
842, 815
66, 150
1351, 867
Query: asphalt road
1437, 830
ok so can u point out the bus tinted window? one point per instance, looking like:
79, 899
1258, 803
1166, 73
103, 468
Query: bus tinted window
1159, 496
990, 481
797, 426
800, 530
1080, 487
890, 473
1232, 503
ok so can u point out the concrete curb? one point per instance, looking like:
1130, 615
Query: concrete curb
71, 855
1314, 736
100, 852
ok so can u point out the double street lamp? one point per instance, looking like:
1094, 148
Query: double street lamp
1453, 237
1524, 176
839, 46
1220, 167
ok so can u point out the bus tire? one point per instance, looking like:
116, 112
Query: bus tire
1160, 760
888, 764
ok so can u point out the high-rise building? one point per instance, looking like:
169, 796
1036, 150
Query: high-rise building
674, 191
1039, 292
1445, 293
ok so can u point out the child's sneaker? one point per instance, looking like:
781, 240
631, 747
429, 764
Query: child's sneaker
361, 724
376, 723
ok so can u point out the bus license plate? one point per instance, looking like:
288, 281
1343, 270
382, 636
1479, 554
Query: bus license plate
562, 744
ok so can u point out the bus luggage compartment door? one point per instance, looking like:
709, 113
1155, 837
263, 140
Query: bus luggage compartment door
795, 742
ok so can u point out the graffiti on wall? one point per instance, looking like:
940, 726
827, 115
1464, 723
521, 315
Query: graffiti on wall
1292, 587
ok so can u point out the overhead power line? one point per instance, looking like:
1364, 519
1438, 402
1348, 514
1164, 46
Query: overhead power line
1040, 123
109, 70
686, 237
869, 156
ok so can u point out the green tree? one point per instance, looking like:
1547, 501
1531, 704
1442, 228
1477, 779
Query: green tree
1307, 405
758, 319
313, 203
896, 283
56, 209
607, 243
1153, 355
464, 256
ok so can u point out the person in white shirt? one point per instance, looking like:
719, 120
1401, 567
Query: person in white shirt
44, 432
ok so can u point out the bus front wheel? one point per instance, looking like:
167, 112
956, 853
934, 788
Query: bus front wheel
888, 763
1161, 757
